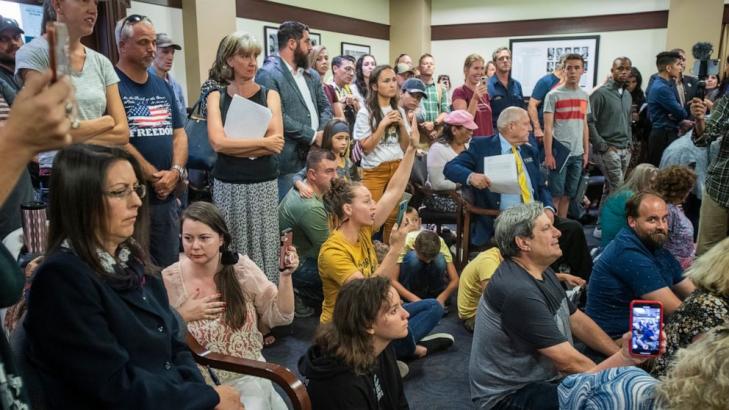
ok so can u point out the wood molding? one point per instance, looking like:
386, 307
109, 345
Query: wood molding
177, 4
278, 13
725, 17
544, 27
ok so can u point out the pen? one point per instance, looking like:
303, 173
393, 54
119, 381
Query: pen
213, 376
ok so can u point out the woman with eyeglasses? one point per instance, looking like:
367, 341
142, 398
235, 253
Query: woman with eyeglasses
100, 112
100, 331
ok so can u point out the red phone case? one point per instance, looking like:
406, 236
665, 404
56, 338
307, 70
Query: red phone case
654, 303
286, 241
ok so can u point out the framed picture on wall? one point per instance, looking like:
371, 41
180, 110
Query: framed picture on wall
270, 40
532, 58
355, 50
315, 39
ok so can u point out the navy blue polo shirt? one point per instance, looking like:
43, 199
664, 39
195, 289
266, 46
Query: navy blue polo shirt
502, 97
627, 270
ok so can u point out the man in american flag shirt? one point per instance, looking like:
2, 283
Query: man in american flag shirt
157, 137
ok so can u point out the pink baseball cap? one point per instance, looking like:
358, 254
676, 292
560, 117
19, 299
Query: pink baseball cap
462, 118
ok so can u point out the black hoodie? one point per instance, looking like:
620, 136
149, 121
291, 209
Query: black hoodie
334, 386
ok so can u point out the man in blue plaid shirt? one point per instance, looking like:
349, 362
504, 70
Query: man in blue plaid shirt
714, 214
435, 107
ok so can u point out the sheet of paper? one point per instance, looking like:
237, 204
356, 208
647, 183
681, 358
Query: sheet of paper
501, 170
246, 119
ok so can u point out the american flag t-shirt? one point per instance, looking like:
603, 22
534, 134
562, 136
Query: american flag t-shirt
148, 116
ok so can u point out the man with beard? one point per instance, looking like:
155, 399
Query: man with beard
157, 138
636, 266
10, 42
305, 107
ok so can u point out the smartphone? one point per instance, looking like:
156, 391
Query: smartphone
57, 35
484, 80
401, 209
646, 325
287, 237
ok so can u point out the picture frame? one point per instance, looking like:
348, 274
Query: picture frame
533, 58
315, 39
355, 50
270, 40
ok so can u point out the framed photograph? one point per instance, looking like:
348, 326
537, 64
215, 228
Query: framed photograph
530, 58
270, 39
315, 39
355, 50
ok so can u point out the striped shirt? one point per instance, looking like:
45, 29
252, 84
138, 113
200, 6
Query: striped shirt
570, 106
4, 110
717, 175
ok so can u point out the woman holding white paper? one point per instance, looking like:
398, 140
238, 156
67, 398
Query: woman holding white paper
245, 173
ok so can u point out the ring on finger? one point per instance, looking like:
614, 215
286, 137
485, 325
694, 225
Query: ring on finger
75, 123
69, 107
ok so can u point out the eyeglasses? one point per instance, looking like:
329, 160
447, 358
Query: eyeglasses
140, 190
132, 20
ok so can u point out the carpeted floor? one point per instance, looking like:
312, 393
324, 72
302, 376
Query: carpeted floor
436, 382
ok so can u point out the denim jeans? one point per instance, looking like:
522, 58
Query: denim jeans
426, 280
542, 395
307, 282
424, 316
164, 233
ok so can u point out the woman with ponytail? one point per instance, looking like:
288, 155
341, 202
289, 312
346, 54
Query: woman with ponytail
226, 299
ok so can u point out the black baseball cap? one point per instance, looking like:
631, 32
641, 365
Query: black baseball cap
414, 86
10, 24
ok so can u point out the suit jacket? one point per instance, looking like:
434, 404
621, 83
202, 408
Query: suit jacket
471, 160
94, 346
298, 133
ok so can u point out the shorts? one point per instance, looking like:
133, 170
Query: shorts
565, 183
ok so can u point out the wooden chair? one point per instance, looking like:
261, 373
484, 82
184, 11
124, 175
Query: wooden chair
463, 236
287, 380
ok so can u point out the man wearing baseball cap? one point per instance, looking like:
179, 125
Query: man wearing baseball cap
162, 65
404, 72
10, 42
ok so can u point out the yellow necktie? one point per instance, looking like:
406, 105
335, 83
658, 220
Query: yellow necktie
526, 194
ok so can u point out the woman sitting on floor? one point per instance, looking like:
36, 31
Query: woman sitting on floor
352, 363
210, 270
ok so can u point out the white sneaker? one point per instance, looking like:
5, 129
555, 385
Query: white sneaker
597, 233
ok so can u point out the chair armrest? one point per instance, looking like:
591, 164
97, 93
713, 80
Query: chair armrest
469, 207
294, 388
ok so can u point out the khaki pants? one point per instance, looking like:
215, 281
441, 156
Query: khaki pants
376, 180
713, 224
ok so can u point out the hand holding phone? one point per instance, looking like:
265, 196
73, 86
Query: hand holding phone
646, 327
287, 237
60, 62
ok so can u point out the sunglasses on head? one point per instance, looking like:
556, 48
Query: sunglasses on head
132, 20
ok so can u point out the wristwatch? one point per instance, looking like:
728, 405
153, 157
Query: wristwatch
180, 170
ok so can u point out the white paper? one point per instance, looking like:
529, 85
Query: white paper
246, 119
501, 170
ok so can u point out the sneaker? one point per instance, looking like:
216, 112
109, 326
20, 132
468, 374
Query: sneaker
300, 308
437, 342
403, 368
597, 233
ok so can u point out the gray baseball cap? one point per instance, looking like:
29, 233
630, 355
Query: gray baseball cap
164, 40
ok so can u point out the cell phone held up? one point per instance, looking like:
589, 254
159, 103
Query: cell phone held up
287, 238
60, 59
646, 326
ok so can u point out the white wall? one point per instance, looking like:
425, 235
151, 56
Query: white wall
168, 20
332, 40
641, 46
482, 11
370, 10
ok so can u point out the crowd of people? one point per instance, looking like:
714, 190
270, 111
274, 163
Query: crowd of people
131, 265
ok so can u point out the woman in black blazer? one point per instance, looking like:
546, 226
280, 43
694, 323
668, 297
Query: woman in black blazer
100, 332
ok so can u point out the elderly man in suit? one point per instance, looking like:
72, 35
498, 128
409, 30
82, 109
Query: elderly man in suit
305, 107
513, 139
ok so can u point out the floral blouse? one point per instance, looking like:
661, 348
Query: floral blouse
680, 236
700, 312
214, 334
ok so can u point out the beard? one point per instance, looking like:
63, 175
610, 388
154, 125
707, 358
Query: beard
300, 58
7, 59
654, 239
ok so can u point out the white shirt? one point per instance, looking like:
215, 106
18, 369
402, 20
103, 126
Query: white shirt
298, 75
388, 149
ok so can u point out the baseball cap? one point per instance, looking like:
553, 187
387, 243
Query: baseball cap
404, 68
462, 118
414, 86
8, 23
164, 40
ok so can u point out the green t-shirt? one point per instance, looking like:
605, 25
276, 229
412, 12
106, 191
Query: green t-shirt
307, 218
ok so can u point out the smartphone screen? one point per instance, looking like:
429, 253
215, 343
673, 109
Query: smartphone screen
287, 237
401, 209
646, 322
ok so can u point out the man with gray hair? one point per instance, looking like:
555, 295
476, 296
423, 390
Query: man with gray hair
157, 138
523, 337
513, 139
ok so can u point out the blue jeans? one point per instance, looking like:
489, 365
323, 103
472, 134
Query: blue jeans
307, 282
164, 233
424, 316
541, 396
285, 183
426, 280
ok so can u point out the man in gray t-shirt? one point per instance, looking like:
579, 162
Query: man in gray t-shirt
522, 340
565, 119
